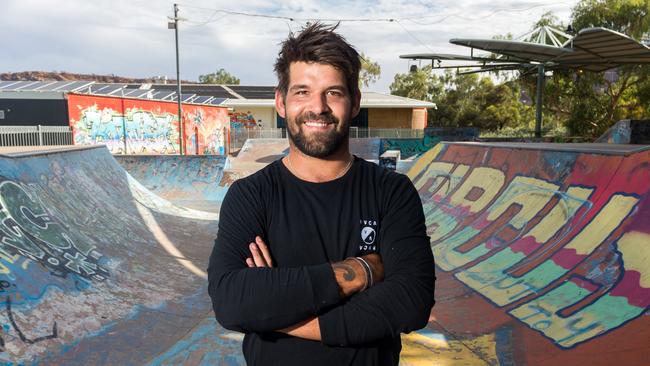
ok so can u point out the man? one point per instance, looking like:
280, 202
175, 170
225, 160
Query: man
321, 258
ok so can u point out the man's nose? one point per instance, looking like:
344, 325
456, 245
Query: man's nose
319, 104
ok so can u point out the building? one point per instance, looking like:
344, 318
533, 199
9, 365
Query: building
45, 103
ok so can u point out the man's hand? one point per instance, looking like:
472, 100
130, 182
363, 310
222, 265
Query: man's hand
376, 265
351, 275
260, 254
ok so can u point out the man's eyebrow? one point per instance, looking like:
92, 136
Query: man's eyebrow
337, 87
298, 86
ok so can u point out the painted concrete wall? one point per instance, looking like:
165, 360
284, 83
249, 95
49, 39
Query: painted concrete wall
94, 268
188, 181
247, 117
151, 126
542, 256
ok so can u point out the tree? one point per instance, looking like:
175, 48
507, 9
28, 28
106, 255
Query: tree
588, 103
220, 77
416, 84
370, 71
465, 100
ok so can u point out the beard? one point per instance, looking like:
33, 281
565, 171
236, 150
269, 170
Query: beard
318, 144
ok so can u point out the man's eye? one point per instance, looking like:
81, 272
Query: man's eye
335, 93
301, 92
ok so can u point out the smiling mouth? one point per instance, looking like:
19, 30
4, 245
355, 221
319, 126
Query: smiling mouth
317, 124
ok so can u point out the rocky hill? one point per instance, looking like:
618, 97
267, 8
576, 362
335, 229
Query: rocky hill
64, 76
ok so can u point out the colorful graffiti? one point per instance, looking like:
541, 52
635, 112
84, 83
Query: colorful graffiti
559, 241
239, 120
91, 261
409, 147
150, 127
188, 181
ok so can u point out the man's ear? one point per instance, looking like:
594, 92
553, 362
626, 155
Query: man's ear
279, 104
356, 104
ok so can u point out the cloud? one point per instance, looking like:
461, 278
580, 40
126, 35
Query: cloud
131, 38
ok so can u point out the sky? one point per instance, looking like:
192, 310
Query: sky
130, 37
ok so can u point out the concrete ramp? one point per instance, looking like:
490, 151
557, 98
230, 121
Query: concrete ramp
542, 252
97, 270
257, 153
188, 181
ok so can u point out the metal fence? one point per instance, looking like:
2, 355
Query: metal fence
385, 133
35, 135
240, 135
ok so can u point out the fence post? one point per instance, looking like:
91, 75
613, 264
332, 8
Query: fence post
40, 135
124, 132
196, 139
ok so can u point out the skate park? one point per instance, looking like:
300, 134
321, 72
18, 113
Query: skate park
541, 253
541, 243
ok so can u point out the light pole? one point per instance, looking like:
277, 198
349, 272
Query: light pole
174, 25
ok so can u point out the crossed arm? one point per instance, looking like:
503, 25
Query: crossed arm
350, 275
317, 301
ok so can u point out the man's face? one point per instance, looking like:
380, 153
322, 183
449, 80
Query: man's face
318, 108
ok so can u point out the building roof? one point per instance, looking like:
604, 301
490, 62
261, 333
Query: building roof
206, 94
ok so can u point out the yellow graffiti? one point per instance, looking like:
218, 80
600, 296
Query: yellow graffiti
608, 219
488, 179
531, 193
420, 350
423, 161
635, 248
560, 214
437, 171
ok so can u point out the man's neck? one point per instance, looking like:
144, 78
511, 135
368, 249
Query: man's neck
318, 170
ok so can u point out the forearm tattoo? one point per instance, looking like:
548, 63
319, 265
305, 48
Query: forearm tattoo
348, 272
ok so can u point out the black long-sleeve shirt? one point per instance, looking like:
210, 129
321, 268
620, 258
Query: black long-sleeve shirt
307, 226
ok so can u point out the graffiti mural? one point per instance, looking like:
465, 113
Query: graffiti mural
85, 263
239, 120
150, 127
560, 241
409, 147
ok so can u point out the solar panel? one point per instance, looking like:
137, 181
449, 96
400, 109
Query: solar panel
76, 86
17, 85
207, 90
4, 84
29, 86
217, 101
162, 95
113, 89
142, 93
63, 86
129, 92
107, 89
98, 88
49, 85
202, 99
187, 97
254, 92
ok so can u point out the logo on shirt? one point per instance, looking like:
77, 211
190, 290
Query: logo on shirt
368, 235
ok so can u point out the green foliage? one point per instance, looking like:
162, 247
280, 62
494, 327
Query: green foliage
630, 17
576, 102
370, 71
418, 84
589, 103
465, 100
220, 77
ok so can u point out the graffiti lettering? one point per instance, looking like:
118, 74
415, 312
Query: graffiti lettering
524, 243
28, 230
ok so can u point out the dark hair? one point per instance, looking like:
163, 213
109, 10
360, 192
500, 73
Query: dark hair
319, 43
